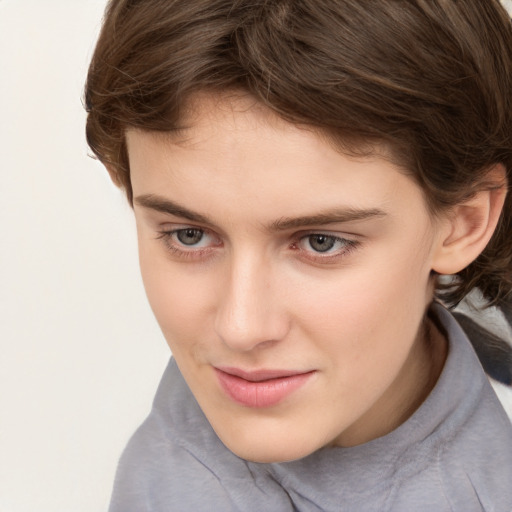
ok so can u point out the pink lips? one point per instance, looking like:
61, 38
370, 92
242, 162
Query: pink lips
261, 388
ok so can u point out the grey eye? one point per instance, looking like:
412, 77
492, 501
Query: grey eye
189, 236
321, 243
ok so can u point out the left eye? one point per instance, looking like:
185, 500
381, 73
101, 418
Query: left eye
322, 243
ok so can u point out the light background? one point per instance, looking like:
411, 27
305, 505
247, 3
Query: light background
80, 353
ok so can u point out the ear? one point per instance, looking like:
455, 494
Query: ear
467, 228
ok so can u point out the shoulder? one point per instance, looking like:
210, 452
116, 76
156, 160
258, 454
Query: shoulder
464, 463
474, 463
467, 468
156, 474
476, 466
161, 467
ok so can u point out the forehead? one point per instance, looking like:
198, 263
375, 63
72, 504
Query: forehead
239, 111
234, 149
235, 117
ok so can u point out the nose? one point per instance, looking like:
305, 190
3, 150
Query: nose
249, 313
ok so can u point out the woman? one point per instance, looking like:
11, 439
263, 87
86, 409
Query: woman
314, 183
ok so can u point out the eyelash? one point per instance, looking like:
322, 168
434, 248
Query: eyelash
190, 254
349, 245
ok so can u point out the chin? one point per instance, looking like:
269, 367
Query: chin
269, 450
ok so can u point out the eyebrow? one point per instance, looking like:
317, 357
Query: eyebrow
338, 215
333, 216
163, 205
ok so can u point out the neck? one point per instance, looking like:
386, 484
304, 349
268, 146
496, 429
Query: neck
408, 391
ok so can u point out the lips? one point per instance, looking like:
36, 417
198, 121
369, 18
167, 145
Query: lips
262, 388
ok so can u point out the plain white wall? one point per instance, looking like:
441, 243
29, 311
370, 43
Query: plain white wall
80, 353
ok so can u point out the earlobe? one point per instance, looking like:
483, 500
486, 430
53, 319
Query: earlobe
469, 226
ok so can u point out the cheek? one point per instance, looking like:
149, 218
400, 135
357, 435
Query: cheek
362, 315
178, 300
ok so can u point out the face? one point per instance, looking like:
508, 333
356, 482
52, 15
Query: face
290, 280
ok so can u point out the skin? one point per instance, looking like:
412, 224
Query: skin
255, 293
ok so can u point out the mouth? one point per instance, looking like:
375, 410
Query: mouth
262, 388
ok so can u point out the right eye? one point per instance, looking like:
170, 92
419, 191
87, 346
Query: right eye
189, 242
189, 236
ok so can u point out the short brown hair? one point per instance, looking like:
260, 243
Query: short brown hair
431, 79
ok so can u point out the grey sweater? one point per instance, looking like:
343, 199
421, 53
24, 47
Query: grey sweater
453, 454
